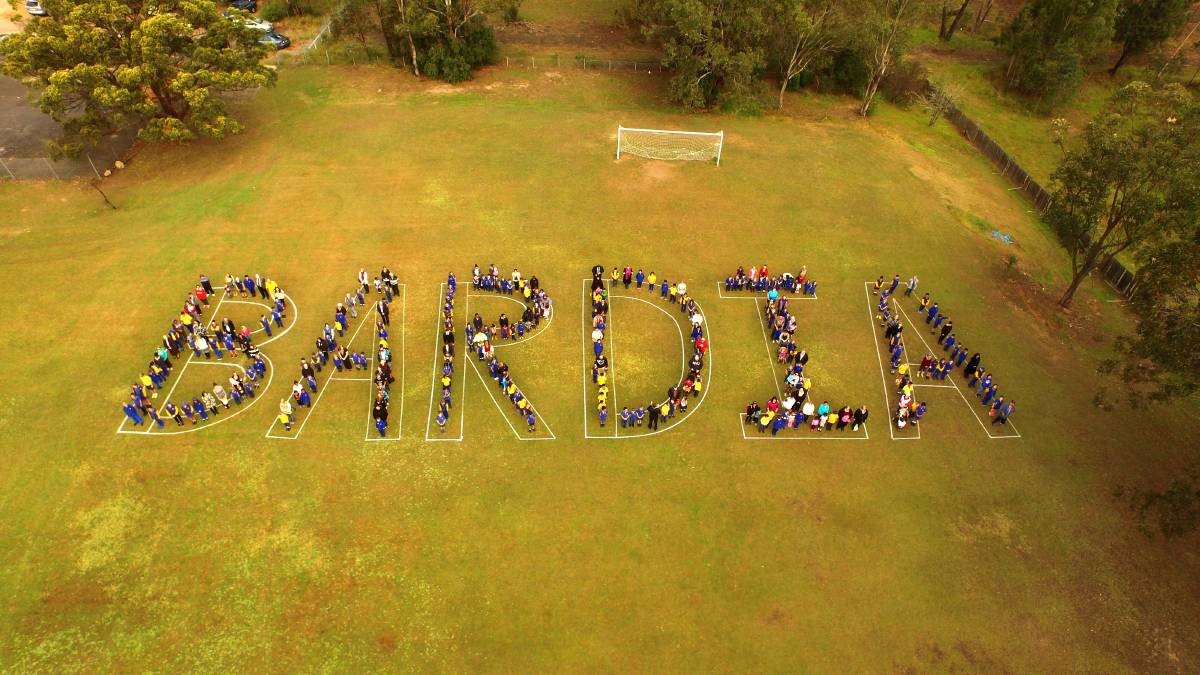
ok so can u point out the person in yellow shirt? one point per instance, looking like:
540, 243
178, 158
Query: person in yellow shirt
616, 274
674, 293
286, 420
651, 279
764, 422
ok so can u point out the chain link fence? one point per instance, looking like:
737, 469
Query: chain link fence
1117, 275
91, 164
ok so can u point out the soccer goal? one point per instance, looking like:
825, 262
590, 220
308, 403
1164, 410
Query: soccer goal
664, 144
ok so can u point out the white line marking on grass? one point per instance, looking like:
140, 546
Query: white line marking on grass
464, 351
212, 313
320, 391
775, 376
500, 409
954, 383
584, 334
542, 326
767, 342
612, 353
403, 357
242, 408
708, 366
887, 403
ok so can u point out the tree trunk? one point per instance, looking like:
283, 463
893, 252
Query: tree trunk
1089, 264
984, 10
412, 47
869, 94
782, 88
1120, 61
942, 28
962, 11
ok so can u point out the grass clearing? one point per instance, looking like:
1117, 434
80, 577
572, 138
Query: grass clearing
689, 550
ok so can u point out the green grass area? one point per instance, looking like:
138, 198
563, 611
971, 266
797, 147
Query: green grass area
690, 550
1012, 121
559, 11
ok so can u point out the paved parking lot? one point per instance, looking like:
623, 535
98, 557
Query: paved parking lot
24, 131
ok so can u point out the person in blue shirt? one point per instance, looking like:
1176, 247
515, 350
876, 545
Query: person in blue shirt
950, 340
154, 416
933, 312
277, 317
132, 413
895, 283
531, 420
603, 415
639, 415
640, 277
666, 286
962, 356
984, 384
626, 417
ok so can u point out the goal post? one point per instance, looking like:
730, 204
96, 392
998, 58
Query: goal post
671, 145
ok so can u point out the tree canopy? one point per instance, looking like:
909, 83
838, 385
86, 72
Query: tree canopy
102, 65
1133, 181
714, 48
445, 39
1142, 24
1049, 42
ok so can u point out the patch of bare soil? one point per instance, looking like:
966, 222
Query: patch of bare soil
571, 34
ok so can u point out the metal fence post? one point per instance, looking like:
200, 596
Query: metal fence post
89, 158
7, 170
47, 161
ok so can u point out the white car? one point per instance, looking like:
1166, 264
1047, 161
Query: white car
34, 7
252, 21
258, 24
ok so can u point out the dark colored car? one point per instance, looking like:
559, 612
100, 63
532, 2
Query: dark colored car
272, 38
248, 5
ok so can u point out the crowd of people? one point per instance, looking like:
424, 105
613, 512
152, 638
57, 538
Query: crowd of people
759, 280
909, 410
191, 335
796, 408
387, 286
676, 402
482, 337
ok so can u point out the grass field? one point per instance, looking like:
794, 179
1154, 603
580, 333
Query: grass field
690, 550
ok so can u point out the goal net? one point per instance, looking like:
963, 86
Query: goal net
663, 144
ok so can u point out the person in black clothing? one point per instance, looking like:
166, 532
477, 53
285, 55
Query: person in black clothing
972, 364
653, 408
860, 417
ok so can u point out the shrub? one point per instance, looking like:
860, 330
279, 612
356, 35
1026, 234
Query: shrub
905, 83
512, 13
275, 10
846, 73
452, 60
742, 103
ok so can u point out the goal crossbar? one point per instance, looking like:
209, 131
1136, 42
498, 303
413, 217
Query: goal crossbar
670, 144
